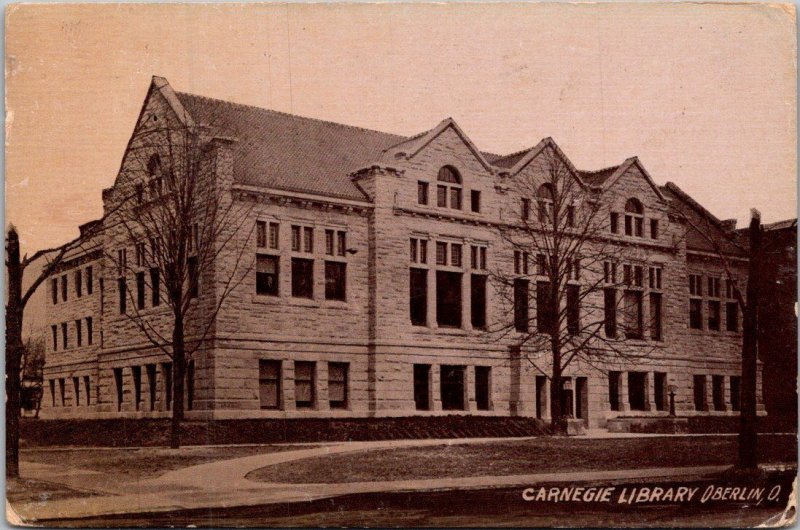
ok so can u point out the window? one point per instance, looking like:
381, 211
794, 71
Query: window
627, 274
637, 382
613, 389
274, 235
302, 278
269, 384
422, 374
633, 314
483, 376
718, 392
121, 290
54, 329
614, 223
418, 297
634, 218
151, 385
89, 281
695, 285
122, 260
521, 305
713, 287
713, 315
78, 283
730, 289
304, 374
89, 331
140, 290
295, 238
609, 272
329, 234
441, 253
62, 391
520, 262
478, 300
194, 278
695, 313
452, 387
660, 389
335, 280
155, 287
732, 316
87, 386
118, 383
573, 309
655, 316
341, 243
64, 288
166, 375
455, 255
54, 289
610, 312
478, 258
64, 338
79, 332
653, 228
544, 198
638, 276
137, 385
526, 209
736, 390
449, 185
654, 278
541, 396
261, 234
422, 193
190, 385
448, 299
699, 384
544, 317
419, 251
337, 385
53, 391
140, 255
475, 201
267, 275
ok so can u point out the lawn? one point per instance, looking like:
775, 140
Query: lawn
540, 455
143, 463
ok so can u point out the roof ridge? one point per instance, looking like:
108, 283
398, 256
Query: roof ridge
609, 168
288, 114
516, 153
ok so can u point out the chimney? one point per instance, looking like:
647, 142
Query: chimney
729, 225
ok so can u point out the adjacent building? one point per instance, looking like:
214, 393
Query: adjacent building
372, 288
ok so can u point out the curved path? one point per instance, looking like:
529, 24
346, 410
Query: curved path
222, 484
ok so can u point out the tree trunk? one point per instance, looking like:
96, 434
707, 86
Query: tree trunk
748, 438
178, 379
14, 350
555, 389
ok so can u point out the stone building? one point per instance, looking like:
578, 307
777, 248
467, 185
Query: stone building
372, 288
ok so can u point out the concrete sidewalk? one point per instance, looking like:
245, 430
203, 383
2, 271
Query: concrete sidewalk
222, 484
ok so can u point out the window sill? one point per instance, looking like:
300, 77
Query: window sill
299, 302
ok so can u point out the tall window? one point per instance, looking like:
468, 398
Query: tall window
736, 390
54, 289
448, 299
483, 376
633, 314
448, 191
89, 331
151, 385
194, 278
335, 280
660, 390
267, 275
475, 201
521, 305
478, 300
655, 316
87, 387
634, 218
732, 316
79, 332
140, 290
118, 382
261, 234
422, 193
573, 309
422, 374
137, 385
419, 250
544, 199
54, 330
452, 387
295, 238
544, 317
269, 384
140, 254
610, 312
699, 385
89, 280
525, 211
274, 235
64, 288
613, 389
304, 376
418, 296
653, 228
302, 278
695, 302
718, 392
155, 287
166, 377
614, 223
79, 283
337, 385
76, 389
713, 315
64, 335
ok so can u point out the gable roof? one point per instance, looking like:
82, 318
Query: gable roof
288, 152
597, 177
624, 167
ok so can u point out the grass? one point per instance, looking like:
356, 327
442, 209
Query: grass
142, 463
24, 490
541, 455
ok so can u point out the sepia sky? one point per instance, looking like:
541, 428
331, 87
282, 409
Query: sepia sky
704, 94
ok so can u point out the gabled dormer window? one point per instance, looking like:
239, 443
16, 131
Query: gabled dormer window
449, 188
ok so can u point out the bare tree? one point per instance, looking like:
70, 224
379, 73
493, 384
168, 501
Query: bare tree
560, 238
177, 218
17, 299
32, 364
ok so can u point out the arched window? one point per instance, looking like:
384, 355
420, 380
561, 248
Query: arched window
634, 218
544, 196
449, 186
